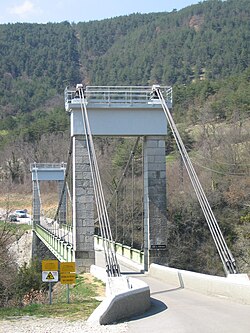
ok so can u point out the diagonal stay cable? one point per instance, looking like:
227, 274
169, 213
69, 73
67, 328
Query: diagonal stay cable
212, 223
62, 194
224, 253
65, 180
114, 269
226, 257
112, 263
124, 172
39, 193
110, 256
103, 231
123, 175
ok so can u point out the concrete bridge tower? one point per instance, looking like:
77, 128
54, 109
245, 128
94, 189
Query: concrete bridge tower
120, 111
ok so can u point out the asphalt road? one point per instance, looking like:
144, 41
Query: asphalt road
177, 310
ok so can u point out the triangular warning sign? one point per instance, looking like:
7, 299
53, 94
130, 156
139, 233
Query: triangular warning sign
50, 276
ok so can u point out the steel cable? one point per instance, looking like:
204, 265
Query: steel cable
110, 256
224, 253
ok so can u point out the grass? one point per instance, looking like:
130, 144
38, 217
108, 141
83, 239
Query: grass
172, 157
12, 226
13, 201
72, 311
82, 301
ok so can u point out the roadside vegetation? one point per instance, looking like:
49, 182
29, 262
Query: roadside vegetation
22, 291
84, 298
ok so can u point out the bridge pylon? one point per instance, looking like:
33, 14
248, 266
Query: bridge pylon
83, 206
124, 111
45, 172
155, 201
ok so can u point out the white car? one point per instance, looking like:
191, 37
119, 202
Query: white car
21, 213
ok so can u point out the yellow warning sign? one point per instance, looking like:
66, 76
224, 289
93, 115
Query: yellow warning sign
68, 278
67, 267
50, 276
49, 265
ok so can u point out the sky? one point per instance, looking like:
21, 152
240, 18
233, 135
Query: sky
43, 11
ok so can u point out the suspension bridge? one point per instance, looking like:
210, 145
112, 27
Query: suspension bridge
121, 111
114, 111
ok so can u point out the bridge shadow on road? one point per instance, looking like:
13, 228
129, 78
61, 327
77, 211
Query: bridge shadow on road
156, 307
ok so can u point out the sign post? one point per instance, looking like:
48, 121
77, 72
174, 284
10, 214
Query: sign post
50, 274
50, 293
68, 293
67, 275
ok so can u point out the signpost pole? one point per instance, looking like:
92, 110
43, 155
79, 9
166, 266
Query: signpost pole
50, 293
68, 293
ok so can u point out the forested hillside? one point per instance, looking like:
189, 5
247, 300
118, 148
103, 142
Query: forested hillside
209, 40
202, 51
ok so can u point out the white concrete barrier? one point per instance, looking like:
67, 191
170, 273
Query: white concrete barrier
235, 288
125, 297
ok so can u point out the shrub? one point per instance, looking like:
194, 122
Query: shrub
29, 279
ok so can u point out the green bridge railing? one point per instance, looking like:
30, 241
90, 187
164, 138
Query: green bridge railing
64, 251
124, 250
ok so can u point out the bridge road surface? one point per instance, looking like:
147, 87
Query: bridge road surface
177, 310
